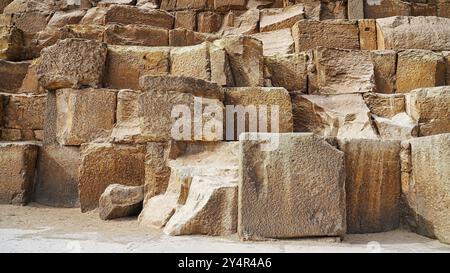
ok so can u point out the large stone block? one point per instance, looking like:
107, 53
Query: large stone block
127, 129
386, 8
423, 32
295, 190
343, 116
372, 184
17, 169
271, 106
245, 55
57, 183
309, 34
120, 201
11, 43
279, 18
126, 64
12, 75
340, 71
24, 112
430, 107
191, 61
209, 22
84, 115
276, 42
157, 171
123, 14
385, 69
104, 164
367, 34
72, 63
137, 35
288, 71
426, 185
419, 68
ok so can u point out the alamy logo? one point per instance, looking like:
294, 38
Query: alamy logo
209, 121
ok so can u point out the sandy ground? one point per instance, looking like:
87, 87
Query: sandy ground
36, 228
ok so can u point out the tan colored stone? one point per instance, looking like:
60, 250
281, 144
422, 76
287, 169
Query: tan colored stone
127, 129
209, 22
84, 115
186, 19
229, 4
295, 190
220, 66
309, 34
385, 105
57, 183
120, 201
355, 9
341, 71
126, 64
426, 186
288, 71
191, 61
343, 116
123, 14
276, 42
157, 172
245, 55
182, 84
241, 23
413, 32
11, 43
95, 15
259, 97
398, 127
24, 111
419, 68
384, 62
367, 34
72, 63
30, 83
62, 18
138, 35
12, 75
430, 107
17, 168
336, 9
446, 55
372, 185
386, 8
275, 19
104, 164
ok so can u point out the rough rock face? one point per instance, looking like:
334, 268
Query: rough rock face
413, 32
288, 71
309, 34
57, 170
419, 68
373, 193
123, 14
120, 201
137, 35
385, 67
17, 165
11, 43
72, 63
104, 164
274, 19
12, 75
295, 190
426, 184
84, 115
430, 108
343, 71
276, 42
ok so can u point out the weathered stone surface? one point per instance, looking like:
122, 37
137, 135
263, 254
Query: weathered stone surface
430, 107
127, 129
95, 15
24, 111
413, 32
288, 71
120, 201
84, 115
191, 61
309, 34
229, 4
62, 18
246, 59
138, 35
372, 184
72, 63
426, 185
220, 66
398, 127
275, 19
343, 116
123, 14
182, 84
419, 68
261, 102
241, 23
104, 164
11, 43
126, 64
17, 168
4, 4
384, 62
186, 19
340, 71
355, 9
385, 105
210, 208
30, 83
57, 183
386, 8
367, 34
446, 55
276, 42
209, 22
157, 171
295, 190
12, 75
332, 9
160, 121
